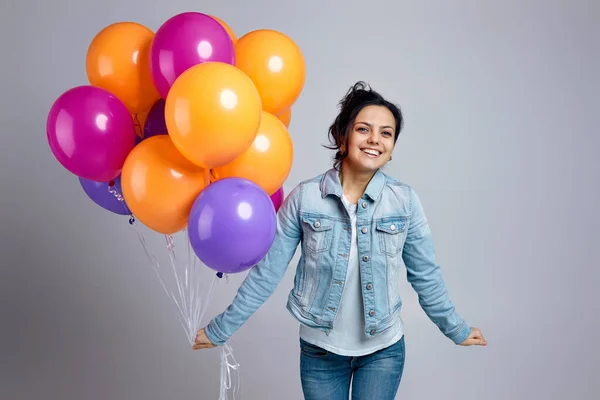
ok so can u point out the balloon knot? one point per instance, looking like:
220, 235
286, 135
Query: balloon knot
220, 274
131, 221
111, 183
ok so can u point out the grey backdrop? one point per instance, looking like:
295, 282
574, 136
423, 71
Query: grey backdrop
501, 102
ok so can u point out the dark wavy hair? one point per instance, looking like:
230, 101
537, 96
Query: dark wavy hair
359, 96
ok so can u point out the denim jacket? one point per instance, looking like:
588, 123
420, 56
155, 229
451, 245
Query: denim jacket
392, 231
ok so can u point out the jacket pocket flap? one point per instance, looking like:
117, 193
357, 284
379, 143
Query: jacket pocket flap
391, 226
318, 224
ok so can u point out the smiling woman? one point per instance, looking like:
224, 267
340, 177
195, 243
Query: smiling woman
357, 227
367, 124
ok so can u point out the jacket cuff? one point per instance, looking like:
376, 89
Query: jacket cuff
461, 333
214, 334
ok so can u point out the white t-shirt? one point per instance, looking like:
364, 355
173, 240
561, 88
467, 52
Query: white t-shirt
348, 336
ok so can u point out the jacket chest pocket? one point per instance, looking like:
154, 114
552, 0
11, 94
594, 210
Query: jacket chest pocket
391, 235
318, 233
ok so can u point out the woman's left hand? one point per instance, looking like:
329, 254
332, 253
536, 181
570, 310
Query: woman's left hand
475, 338
202, 341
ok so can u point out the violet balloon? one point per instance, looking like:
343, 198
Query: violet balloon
232, 225
155, 122
90, 132
102, 194
185, 40
277, 198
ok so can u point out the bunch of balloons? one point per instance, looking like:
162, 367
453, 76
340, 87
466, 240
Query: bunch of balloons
185, 127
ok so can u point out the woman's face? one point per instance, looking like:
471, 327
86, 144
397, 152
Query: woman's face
371, 139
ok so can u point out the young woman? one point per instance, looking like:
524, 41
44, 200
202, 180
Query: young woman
357, 226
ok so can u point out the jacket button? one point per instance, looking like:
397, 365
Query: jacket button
392, 227
372, 332
364, 230
364, 204
317, 224
369, 286
372, 312
365, 258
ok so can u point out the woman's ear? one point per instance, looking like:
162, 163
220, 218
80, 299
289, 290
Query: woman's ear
343, 147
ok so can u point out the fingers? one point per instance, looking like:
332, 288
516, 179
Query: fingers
474, 342
479, 336
202, 341
202, 345
199, 346
476, 338
201, 337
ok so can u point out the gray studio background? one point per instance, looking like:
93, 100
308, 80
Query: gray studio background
501, 135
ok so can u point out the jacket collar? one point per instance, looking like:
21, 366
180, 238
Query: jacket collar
330, 184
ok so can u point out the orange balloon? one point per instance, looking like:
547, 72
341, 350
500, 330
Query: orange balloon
212, 113
227, 28
286, 117
160, 186
276, 66
268, 161
117, 60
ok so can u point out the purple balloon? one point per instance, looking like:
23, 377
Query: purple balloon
185, 40
90, 132
232, 225
155, 122
100, 193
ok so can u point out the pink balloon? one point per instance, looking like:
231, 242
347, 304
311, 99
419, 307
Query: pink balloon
185, 40
277, 198
90, 132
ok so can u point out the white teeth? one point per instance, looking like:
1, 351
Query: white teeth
371, 152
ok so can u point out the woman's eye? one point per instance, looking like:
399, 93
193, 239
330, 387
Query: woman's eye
387, 133
362, 129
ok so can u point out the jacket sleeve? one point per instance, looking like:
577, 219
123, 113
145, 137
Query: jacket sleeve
263, 278
425, 276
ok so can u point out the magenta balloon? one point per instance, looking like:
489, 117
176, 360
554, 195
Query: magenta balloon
90, 132
185, 40
232, 225
277, 198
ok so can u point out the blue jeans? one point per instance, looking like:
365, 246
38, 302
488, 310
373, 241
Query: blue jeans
329, 376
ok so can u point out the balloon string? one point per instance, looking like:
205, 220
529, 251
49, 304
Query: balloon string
190, 316
138, 126
192, 284
185, 322
229, 368
200, 311
158, 270
213, 176
153, 260
183, 300
113, 190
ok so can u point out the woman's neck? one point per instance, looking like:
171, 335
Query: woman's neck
354, 184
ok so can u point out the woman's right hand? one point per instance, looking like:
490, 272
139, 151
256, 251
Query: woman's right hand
202, 341
475, 338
